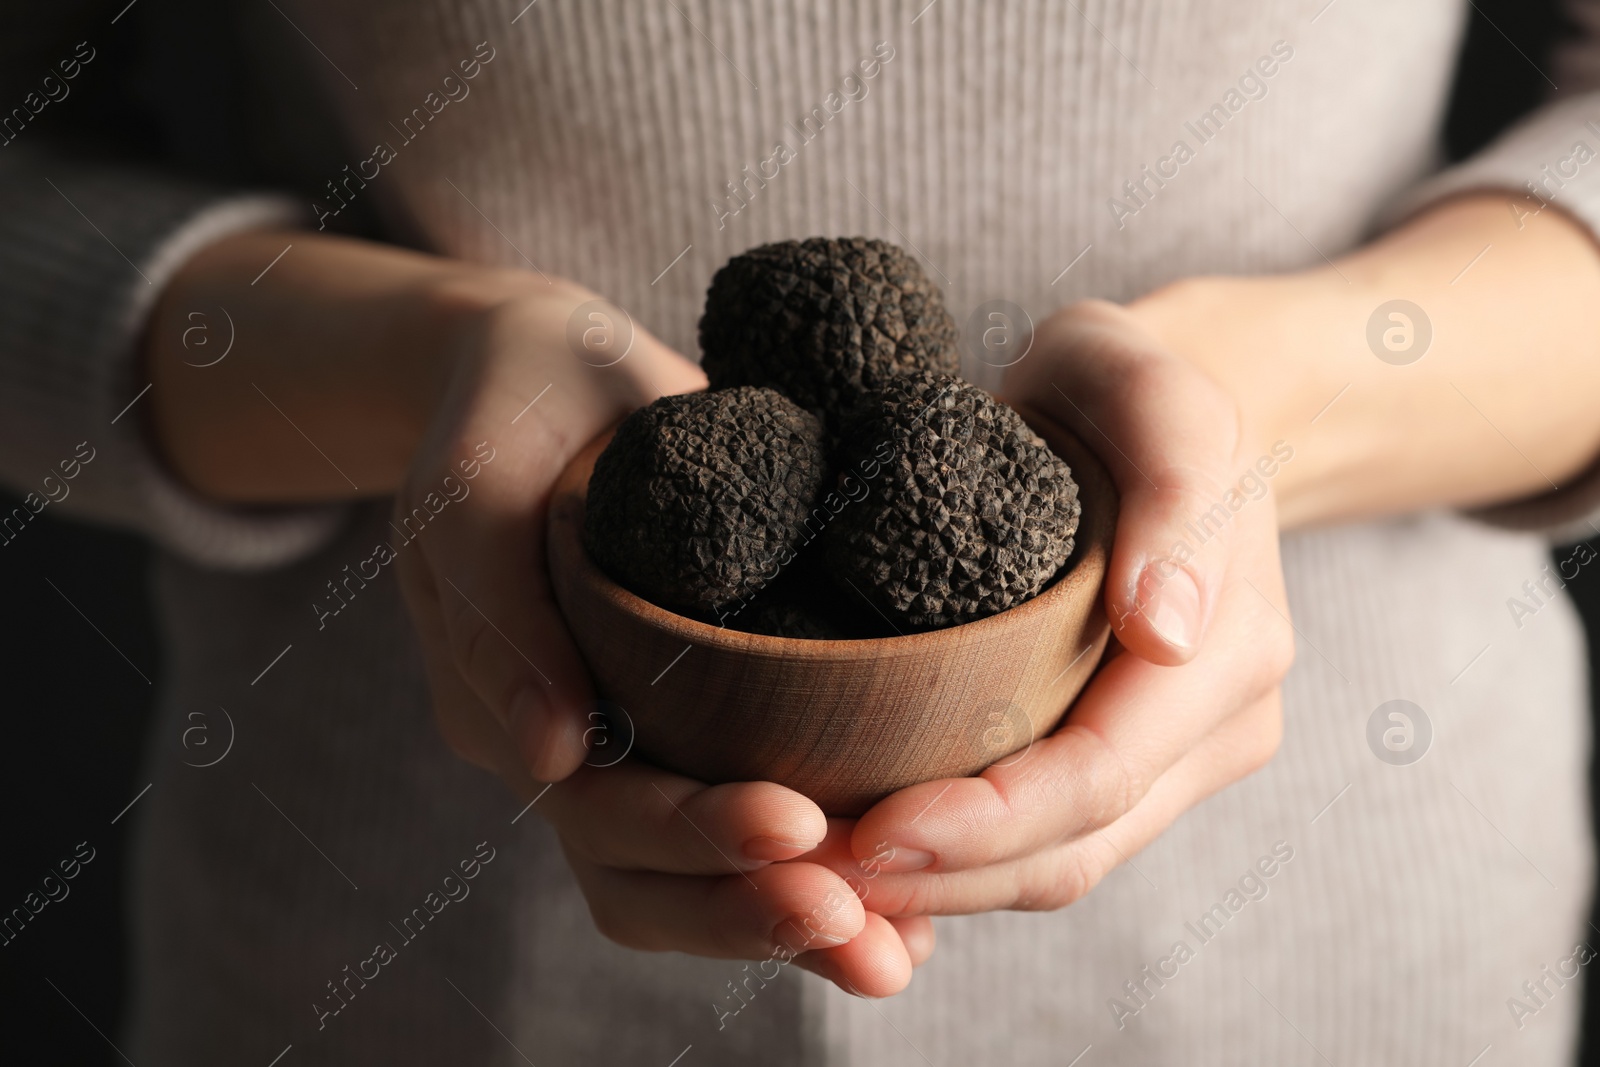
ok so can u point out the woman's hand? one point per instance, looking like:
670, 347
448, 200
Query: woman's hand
1197, 396
669, 864
1188, 704
665, 863
519, 395
359, 370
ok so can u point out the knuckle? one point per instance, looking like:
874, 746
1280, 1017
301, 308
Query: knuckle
1110, 785
664, 817
473, 647
616, 924
920, 896
1175, 385
1066, 879
981, 831
1190, 490
1276, 648
1263, 738
468, 632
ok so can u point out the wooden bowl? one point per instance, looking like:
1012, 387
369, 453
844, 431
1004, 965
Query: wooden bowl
844, 722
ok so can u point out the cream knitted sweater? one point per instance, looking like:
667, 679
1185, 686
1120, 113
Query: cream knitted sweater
1334, 908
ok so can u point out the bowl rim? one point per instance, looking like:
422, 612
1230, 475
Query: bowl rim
705, 634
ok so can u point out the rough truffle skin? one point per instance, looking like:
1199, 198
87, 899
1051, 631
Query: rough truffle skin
967, 513
804, 603
777, 617
699, 499
824, 319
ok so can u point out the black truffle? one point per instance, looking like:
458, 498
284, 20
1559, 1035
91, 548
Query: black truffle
700, 499
967, 511
805, 603
822, 320
782, 617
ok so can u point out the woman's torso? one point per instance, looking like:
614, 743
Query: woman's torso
995, 141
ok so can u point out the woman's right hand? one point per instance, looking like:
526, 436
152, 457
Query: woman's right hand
670, 864
362, 365
664, 862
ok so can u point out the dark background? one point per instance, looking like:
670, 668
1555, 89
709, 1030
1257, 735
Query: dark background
77, 711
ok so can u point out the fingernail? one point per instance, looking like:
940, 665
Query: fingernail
1175, 614
766, 849
902, 860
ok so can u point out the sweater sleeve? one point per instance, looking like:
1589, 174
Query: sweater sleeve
85, 249
1549, 161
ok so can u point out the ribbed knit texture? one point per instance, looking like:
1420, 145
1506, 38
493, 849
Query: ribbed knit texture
84, 252
598, 143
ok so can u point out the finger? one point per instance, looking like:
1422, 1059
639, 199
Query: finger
917, 934
778, 911
502, 627
876, 963
507, 634
1168, 434
1061, 874
637, 817
464, 723
1134, 722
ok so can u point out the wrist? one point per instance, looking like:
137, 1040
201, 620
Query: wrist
1271, 343
346, 354
313, 380
1480, 391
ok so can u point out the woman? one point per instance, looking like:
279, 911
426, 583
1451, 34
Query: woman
1401, 882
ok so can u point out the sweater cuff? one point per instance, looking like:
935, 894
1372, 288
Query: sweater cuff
1548, 162
83, 259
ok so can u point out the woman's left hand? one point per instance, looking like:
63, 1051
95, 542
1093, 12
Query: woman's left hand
1189, 702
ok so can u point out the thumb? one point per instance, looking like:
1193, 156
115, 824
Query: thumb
1168, 434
